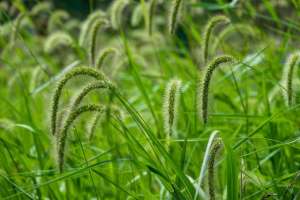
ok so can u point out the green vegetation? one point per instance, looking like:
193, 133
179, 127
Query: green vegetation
150, 99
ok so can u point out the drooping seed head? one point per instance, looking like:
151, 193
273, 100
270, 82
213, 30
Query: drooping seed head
116, 12
211, 168
93, 39
62, 136
288, 77
204, 84
213, 22
57, 39
16, 26
88, 23
170, 107
56, 18
40, 7
82, 71
90, 87
174, 15
103, 54
137, 15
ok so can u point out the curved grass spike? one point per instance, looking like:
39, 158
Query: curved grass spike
137, 15
211, 171
208, 31
88, 23
174, 15
57, 39
116, 12
92, 126
90, 87
82, 71
56, 18
170, 107
204, 86
151, 15
288, 76
62, 137
16, 27
103, 54
93, 39
40, 7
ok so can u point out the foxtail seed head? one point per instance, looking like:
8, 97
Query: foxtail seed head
57, 39
88, 23
204, 85
103, 54
16, 27
40, 7
87, 89
170, 107
116, 12
174, 15
83, 71
208, 31
62, 136
56, 19
93, 39
211, 171
137, 15
288, 76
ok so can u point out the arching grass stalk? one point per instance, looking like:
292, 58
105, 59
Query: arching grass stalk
204, 85
208, 31
56, 19
93, 39
90, 87
40, 7
288, 77
16, 27
116, 12
174, 15
103, 54
137, 15
57, 39
82, 71
211, 168
170, 107
62, 137
88, 23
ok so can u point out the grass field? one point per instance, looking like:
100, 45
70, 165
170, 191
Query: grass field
150, 99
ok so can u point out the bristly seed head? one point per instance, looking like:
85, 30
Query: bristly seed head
93, 39
204, 85
61, 138
288, 76
211, 165
213, 22
174, 15
170, 106
84, 71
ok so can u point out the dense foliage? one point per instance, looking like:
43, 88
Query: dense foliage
150, 99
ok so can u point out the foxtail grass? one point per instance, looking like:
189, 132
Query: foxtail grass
204, 85
170, 107
208, 29
174, 15
80, 71
57, 39
288, 77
